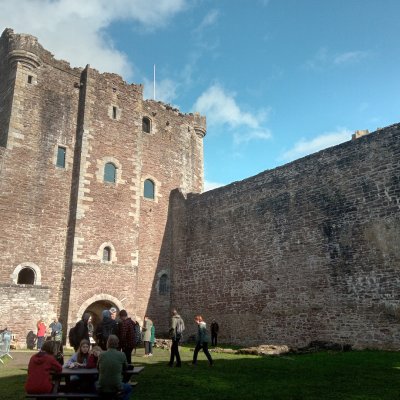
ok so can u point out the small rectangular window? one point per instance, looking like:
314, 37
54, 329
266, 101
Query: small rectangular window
29, 78
61, 156
115, 112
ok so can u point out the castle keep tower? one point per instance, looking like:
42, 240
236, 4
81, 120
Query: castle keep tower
86, 171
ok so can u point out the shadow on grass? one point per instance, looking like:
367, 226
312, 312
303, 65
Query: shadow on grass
328, 375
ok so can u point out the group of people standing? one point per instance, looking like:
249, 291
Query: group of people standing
127, 331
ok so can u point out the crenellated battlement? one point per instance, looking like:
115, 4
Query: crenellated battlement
27, 50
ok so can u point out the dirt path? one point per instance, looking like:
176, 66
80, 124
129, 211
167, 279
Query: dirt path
20, 358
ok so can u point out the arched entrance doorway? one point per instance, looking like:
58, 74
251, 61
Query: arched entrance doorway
95, 306
95, 309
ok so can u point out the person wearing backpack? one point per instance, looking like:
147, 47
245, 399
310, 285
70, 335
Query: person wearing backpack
81, 331
176, 333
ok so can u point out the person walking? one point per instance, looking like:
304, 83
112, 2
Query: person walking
176, 332
214, 332
202, 340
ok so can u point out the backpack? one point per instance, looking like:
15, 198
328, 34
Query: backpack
72, 337
180, 327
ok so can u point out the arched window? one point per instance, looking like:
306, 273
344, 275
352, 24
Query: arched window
107, 254
110, 172
148, 190
26, 276
163, 287
146, 124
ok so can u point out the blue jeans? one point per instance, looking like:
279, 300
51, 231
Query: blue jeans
40, 340
126, 391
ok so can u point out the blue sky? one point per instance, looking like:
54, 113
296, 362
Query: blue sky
277, 79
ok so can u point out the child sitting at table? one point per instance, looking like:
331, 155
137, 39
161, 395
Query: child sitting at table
40, 369
93, 357
79, 359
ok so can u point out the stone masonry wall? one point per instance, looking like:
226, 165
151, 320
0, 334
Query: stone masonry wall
34, 192
307, 251
27, 304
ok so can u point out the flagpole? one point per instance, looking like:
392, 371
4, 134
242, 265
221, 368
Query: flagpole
154, 81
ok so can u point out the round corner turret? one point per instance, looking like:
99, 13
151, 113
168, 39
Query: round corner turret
26, 58
200, 125
23, 49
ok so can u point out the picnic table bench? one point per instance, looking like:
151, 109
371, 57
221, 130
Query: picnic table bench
67, 372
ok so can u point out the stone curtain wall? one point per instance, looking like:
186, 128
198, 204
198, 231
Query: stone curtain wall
21, 308
307, 251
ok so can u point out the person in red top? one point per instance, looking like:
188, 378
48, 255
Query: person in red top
126, 335
93, 357
41, 333
40, 369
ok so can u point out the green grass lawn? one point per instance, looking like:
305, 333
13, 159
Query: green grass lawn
325, 375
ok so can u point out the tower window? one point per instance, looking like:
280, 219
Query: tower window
26, 276
114, 113
148, 190
146, 124
30, 78
61, 151
107, 254
163, 287
110, 172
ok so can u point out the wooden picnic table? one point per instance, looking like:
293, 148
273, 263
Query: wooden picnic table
66, 374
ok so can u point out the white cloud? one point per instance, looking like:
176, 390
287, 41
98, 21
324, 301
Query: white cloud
304, 147
222, 110
208, 185
75, 31
350, 57
325, 59
165, 90
210, 19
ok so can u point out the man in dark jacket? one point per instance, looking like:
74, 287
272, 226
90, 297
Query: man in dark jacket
126, 335
214, 332
176, 337
81, 330
107, 327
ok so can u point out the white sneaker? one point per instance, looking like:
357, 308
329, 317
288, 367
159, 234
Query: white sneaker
150, 355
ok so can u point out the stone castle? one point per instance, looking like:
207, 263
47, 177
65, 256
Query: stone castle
101, 205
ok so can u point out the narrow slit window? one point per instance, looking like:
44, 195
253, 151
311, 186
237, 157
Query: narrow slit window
148, 190
163, 286
146, 125
114, 112
110, 172
107, 254
61, 152
29, 78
